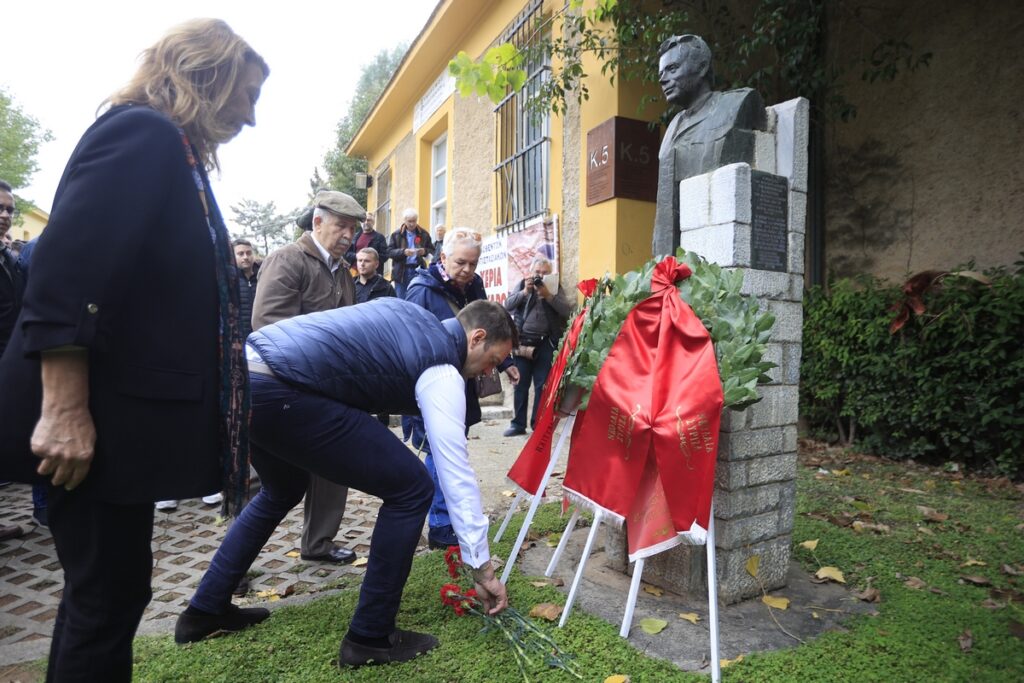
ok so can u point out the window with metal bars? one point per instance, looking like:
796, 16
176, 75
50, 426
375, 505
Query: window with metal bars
522, 137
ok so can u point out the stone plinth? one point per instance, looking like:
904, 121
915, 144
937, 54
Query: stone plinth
725, 218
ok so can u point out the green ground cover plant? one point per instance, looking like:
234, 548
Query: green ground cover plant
943, 551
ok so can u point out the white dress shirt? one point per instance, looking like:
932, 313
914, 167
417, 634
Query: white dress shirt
331, 262
441, 396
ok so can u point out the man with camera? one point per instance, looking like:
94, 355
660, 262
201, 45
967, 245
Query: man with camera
540, 309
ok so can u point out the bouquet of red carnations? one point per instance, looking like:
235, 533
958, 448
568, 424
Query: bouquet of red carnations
527, 640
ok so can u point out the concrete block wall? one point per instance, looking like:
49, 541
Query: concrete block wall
755, 480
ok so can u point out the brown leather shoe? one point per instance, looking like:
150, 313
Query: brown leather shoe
405, 645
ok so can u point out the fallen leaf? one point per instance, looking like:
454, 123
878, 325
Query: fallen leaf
558, 582
1016, 629
976, 580
915, 583
1012, 571
926, 530
263, 595
860, 526
937, 591
654, 590
508, 494
810, 545
538, 584
292, 553
729, 662
966, 640
752, 563
815, 615
862, 506
845, 472
546, 610
1006, 595
989, 603
617, 678
869, 595
931, 514
929, 485
691, 617
285, 591
652, 625
831, 573
776, 602
972, 563
911, 490
361, 561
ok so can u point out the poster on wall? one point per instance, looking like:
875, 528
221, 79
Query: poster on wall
506, 259
492, 267
539, 238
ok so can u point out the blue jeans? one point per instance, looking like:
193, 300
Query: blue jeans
438, 515
532, 371
294, 433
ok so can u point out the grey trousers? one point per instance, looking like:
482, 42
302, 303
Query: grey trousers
323, 509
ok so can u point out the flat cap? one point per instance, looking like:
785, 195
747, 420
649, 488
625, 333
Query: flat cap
339, 203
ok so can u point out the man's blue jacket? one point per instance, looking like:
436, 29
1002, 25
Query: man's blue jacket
367, 356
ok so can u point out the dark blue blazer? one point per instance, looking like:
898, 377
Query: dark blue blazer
125, 268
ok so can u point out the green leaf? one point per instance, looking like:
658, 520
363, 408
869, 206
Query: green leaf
653, 626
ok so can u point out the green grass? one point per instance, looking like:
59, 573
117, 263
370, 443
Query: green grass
913, 638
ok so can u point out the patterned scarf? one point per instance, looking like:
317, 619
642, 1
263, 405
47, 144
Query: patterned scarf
234, 374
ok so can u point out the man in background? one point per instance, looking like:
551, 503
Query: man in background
245, 260
368, 237
369, 284
307, 276
408, 249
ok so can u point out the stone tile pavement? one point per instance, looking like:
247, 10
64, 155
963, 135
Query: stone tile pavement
184, 541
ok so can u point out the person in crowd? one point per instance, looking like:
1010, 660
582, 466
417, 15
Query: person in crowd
124, 389
248, 269
316, 378
306, 276
445, 288
439, 233
408, 248
16, 247
368, 237
540, 315
369, 284
11, 287
11, 283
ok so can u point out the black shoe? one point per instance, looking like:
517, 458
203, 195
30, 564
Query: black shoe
335, 555
195, 627
514, 431
441, 537
9, 531
405, 645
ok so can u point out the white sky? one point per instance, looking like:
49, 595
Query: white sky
59, 60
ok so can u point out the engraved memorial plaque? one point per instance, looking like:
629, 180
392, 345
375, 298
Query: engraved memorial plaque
769, 209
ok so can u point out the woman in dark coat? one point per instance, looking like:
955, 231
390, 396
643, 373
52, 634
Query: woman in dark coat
124, 382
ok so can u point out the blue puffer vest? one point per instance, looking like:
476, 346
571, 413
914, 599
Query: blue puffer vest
367, 356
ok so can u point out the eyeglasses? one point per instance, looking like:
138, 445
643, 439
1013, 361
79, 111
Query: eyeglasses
464, 233
10, 210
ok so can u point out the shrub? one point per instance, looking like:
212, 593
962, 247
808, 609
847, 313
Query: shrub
947, 386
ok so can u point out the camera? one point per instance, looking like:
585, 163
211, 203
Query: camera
537, 280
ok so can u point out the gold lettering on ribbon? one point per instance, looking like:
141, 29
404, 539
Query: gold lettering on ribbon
694, 435
620, 427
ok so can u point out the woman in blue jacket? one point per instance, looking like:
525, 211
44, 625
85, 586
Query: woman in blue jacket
444, 288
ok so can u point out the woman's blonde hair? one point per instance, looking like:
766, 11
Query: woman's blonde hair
189, 75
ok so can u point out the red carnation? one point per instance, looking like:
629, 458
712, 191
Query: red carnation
453, 558
588, 287
450, 593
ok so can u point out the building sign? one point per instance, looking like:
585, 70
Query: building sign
506, 259
493, 267
435, 96
622, 161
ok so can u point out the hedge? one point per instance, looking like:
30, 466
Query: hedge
946, 387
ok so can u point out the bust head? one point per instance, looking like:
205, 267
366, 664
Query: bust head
684, 69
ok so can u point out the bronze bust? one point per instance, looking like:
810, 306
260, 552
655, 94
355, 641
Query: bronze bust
715, 128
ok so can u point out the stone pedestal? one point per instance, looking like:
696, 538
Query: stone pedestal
740, 217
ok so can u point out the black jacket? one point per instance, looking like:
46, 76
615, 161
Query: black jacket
377, 242
11, 290
145, 306
374, 289
246, 295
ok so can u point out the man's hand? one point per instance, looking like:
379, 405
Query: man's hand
528, 285
512, 372
489, 589
544, 292
410, 252
65, 436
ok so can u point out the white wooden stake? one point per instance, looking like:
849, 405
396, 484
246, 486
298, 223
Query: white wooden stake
634, 589
579, 570
508, 515
566, 430
564, 541
716, 668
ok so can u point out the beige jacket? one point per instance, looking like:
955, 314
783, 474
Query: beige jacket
294, 280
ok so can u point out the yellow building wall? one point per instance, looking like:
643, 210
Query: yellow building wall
32, 224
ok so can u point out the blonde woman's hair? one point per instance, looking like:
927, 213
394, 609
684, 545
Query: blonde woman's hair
189, 75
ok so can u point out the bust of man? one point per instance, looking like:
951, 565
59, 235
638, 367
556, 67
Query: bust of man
715, 128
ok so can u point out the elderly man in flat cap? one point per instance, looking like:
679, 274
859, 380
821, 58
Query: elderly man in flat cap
307, 276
